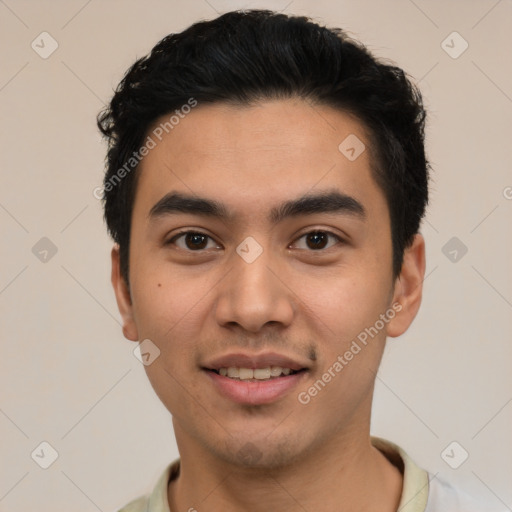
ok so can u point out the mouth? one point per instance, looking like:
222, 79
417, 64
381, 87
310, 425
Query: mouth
255, 380
255, 374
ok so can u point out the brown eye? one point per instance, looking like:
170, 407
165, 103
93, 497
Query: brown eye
191, 240
318, 240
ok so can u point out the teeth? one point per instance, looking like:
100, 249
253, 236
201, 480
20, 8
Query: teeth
262, 373
233, 372
275, 371
266, 373
245, 373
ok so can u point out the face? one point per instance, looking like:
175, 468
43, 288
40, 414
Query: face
258, 249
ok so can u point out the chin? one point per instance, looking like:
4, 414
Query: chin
259, 452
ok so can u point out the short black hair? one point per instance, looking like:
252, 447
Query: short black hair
243, 57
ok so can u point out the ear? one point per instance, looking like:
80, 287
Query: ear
408, 287
123, 298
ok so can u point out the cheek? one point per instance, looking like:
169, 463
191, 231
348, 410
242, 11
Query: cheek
166, 300
350, 346
344, 305
167, 312
170, 310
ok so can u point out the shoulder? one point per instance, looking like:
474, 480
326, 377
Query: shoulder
442, 497
424, 492
138, 505
157, 500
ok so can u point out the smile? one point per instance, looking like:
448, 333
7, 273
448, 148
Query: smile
267, 373
255, 386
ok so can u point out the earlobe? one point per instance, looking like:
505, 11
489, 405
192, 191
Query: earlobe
123, 298
409, 287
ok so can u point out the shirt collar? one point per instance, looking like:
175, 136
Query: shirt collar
415, 484
414, 491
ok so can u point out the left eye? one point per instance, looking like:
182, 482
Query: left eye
317, 240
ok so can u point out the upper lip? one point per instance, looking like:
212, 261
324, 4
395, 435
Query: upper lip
253, 361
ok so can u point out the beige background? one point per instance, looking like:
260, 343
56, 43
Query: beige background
69, 378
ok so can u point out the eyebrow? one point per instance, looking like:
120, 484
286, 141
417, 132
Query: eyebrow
331, 201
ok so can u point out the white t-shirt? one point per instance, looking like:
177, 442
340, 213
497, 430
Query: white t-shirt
421, 491
443, 497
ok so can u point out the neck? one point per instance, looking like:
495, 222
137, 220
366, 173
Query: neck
347, 471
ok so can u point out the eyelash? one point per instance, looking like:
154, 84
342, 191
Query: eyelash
194, 232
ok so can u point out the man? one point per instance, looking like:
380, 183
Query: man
265, 184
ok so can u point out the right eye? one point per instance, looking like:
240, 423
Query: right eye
193, 241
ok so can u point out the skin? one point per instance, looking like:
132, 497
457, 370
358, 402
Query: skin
303, 302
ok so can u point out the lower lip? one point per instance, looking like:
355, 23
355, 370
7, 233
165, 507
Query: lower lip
255, 393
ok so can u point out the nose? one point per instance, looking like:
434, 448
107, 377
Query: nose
254, 294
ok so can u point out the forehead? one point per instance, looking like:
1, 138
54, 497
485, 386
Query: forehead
266, 152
